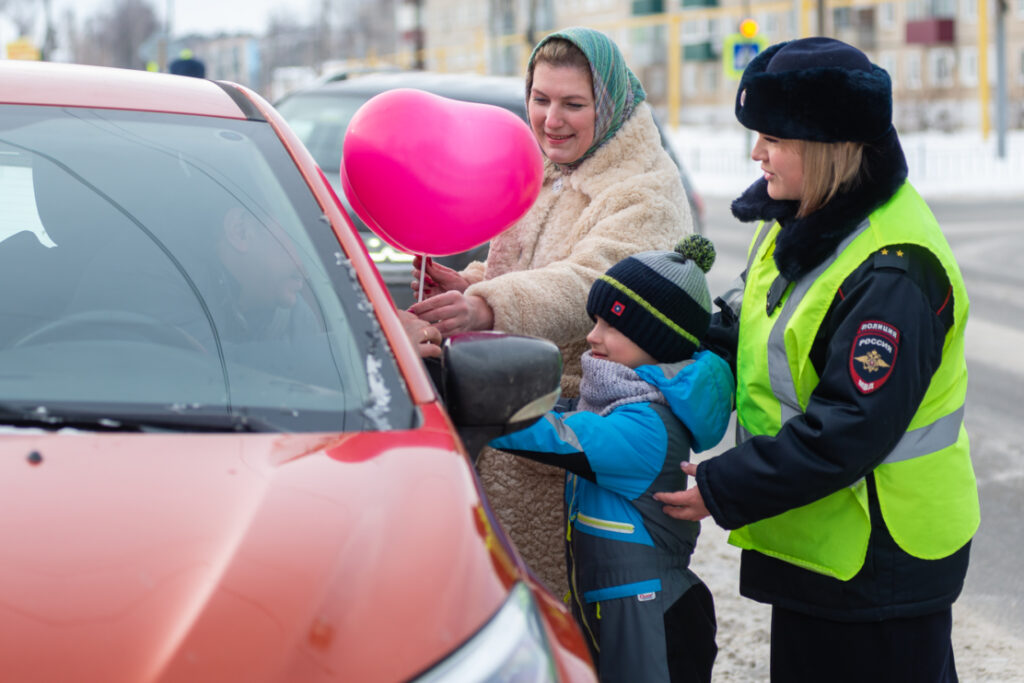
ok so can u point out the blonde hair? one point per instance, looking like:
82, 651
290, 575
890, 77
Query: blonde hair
829, 168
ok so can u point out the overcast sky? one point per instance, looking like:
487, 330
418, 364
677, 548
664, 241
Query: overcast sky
203, 16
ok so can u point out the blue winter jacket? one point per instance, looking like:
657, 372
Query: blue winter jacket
619, 542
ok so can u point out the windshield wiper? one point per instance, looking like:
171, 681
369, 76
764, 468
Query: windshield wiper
176, 420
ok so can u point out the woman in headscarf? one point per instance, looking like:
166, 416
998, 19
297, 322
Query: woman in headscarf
610, 190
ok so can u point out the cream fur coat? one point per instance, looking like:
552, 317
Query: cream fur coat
624, 199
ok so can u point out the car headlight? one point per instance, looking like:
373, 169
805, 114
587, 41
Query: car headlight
381, 252
512, 646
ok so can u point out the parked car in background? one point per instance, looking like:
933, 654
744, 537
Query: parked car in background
320, 114
221, 457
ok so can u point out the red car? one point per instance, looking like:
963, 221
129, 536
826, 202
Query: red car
221, 459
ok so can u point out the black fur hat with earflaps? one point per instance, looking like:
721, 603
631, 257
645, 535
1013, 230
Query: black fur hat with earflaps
817, 89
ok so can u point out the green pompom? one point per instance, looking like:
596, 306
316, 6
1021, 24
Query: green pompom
698, 249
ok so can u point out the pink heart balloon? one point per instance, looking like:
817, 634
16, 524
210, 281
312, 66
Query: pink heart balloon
436, 176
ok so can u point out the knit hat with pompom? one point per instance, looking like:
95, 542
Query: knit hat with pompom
659, 299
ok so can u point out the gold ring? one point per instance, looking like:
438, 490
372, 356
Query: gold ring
426, 335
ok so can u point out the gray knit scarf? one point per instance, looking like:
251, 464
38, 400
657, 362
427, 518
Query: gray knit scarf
606, 385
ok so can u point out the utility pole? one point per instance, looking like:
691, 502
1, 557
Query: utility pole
322, 48
983, 67
531, 25
1001, 79
419, 43
164, 44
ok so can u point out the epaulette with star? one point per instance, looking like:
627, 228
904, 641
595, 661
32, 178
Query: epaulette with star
890, 257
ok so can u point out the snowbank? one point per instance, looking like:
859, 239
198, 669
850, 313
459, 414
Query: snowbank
947, 165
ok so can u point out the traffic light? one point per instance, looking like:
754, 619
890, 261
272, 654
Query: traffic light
741, 47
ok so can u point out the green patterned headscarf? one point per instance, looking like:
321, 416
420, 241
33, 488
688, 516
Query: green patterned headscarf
617, 90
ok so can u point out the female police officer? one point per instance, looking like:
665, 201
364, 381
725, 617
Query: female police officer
850, 488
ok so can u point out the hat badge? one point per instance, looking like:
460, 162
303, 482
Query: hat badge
743, 97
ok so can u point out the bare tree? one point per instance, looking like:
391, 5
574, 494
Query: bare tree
22, 13
113, 37
49, 31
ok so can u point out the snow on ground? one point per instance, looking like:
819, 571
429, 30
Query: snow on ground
984, 652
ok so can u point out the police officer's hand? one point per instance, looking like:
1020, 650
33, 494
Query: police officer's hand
687, 504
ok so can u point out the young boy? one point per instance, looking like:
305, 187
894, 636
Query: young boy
647, 396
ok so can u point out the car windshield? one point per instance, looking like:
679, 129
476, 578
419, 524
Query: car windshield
320, 121
162, 271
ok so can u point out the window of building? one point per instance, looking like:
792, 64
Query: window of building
918, 9
912, 66
940, 67
696, 31
943, 8
712, 72
690, 80
969, 66
969, 11
890, 62
887, 15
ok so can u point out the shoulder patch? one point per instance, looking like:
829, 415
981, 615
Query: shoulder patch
873, 355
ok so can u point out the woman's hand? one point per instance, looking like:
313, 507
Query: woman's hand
453, 312
424, 336
687, 504
439, 278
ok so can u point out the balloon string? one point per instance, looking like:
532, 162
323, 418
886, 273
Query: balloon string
423, 274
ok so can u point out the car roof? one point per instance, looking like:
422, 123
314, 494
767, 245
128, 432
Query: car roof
504, 91
76, 85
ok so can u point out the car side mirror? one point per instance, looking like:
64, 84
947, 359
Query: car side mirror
495, 383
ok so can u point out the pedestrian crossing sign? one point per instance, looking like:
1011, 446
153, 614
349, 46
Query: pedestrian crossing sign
738, 51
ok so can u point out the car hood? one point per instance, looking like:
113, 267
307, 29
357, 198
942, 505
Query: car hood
130, 557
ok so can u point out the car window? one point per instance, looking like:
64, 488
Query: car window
320, 121
178, 269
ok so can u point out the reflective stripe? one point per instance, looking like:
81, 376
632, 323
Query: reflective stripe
779, 374
670, 370
733, 295
627, 590
605, 524
742, 434
933, 437
765, 229
564, 432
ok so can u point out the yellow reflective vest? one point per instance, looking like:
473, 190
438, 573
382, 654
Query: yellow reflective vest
926, 487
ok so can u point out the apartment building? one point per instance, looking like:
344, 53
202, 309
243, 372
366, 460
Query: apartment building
935, 50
